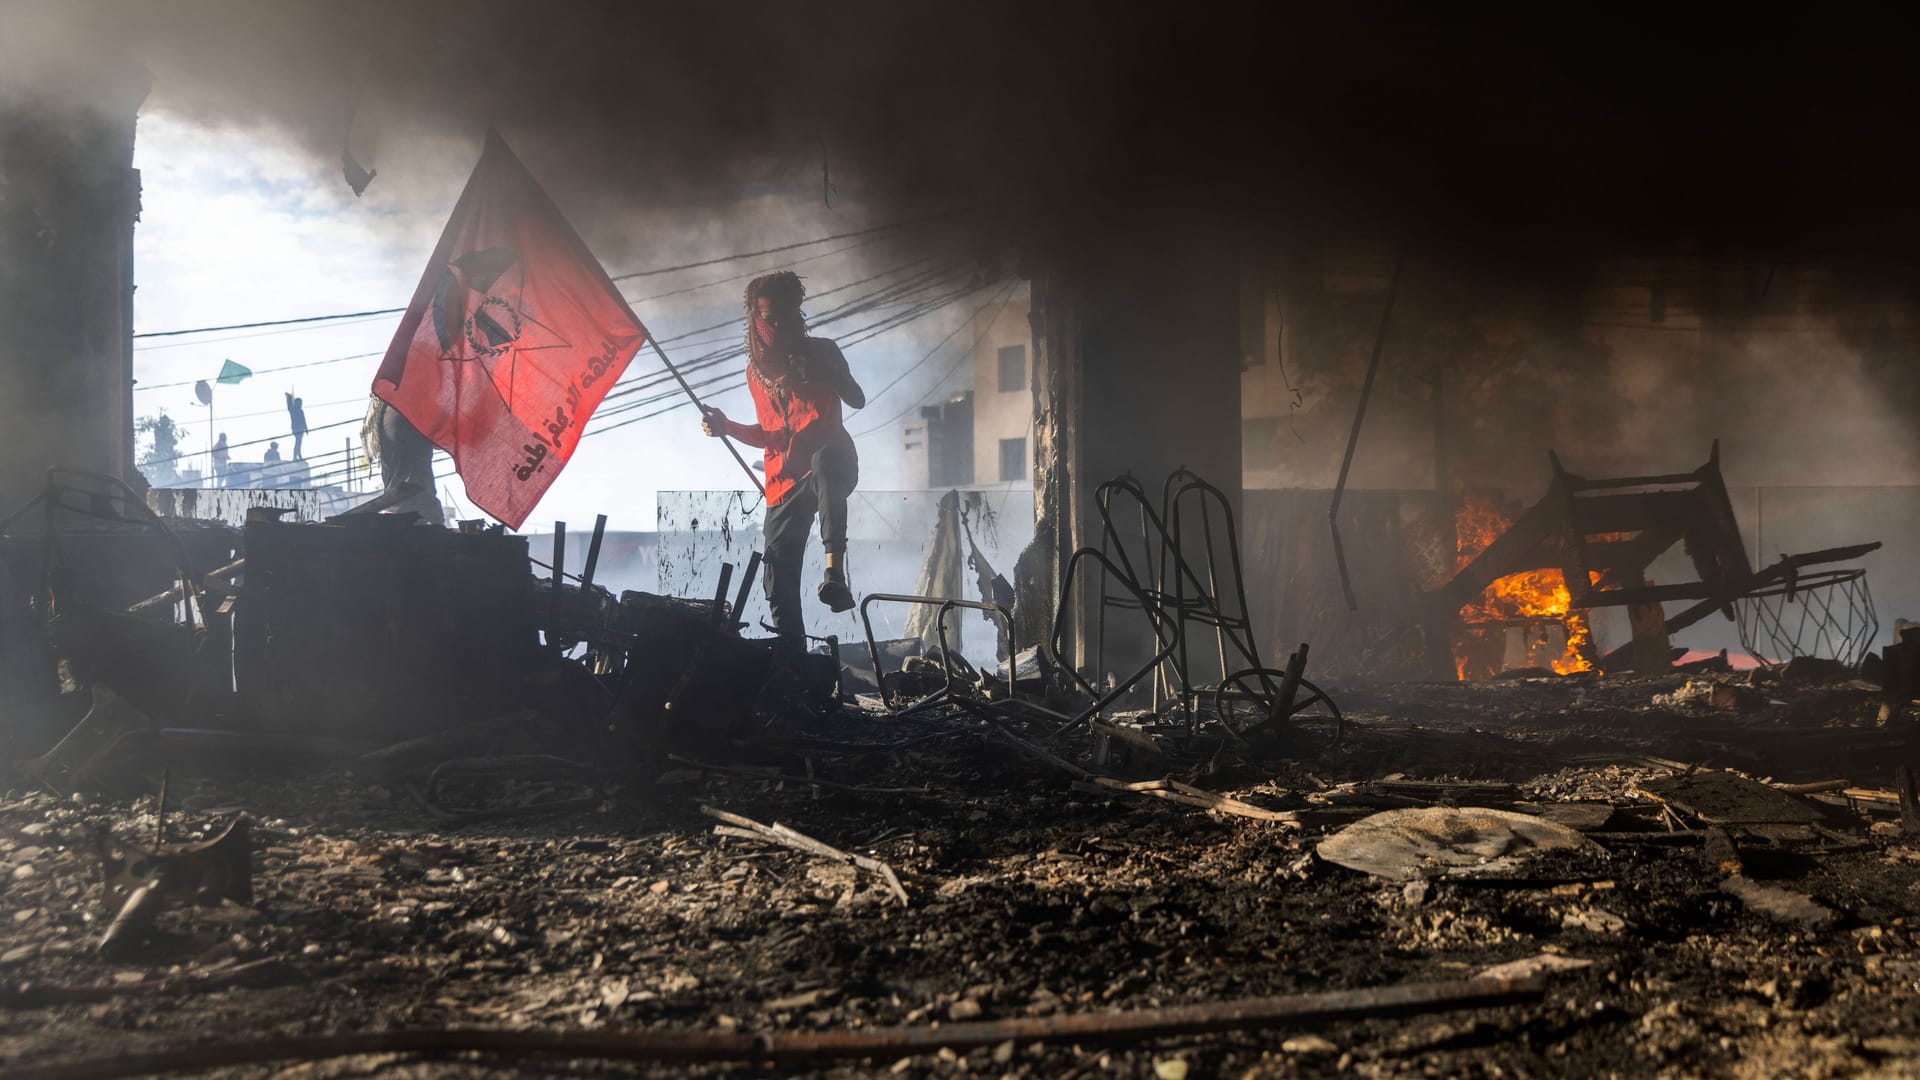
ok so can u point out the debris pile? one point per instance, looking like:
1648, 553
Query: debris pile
667, 842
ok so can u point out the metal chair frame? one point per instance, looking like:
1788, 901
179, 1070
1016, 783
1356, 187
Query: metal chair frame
946, 606
1143, 601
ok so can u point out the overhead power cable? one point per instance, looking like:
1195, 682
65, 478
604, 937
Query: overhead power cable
735, 351
353, 320
341, 470
270, 322
264, 370
857, 305
790, 247
199, 342
617, 277
944, 376
739, 380
851, 307
365, 355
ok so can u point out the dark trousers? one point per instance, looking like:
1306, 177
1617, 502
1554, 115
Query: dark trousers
824, 492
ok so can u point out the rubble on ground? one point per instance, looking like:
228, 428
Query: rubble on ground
1032, 893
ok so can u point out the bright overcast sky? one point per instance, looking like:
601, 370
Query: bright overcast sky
239, 227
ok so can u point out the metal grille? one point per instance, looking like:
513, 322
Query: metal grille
1828, 614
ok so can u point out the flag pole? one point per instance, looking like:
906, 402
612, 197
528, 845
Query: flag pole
657, 351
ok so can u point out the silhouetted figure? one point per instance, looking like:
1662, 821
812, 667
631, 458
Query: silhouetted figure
404, 455
220, 458
272, 456
297, 415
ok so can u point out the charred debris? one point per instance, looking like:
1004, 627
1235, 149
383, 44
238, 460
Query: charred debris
360, 759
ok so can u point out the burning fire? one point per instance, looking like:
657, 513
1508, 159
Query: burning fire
1531, 595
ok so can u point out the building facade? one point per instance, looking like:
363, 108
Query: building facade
981, 437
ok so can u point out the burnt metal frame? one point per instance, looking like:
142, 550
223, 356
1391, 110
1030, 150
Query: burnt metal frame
1143, 600
1151, 590
1285, 703
1173, 587
1145, 590
1575, 508
1164, 599
1849, 643
946, 606
1206, 608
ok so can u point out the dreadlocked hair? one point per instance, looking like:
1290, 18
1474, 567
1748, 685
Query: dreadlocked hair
782, 287
786, 292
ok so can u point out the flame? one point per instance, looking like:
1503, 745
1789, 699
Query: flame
1531, 594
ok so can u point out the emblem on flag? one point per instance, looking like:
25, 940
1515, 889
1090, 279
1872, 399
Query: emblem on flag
514, 336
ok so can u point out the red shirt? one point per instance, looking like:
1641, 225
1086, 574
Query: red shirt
798, 416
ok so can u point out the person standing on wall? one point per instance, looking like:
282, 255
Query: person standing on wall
297, 418
799, 384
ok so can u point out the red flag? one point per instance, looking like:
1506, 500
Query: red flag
512, 339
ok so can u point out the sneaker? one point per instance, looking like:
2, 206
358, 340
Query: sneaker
834, 593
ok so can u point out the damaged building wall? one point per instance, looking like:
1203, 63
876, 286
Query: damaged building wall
69, 197
1623, 365
1802, 369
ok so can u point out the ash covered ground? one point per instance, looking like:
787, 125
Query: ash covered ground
1030, 897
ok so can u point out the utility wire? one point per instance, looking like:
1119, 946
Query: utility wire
270, 322
356, 320
735, 322
664, 341
790, 247
752, 273
855, 306
735, 351
223, 418
739, 381
345, 321
871, 330
617, 277
851, 307
1002, 307
264, 370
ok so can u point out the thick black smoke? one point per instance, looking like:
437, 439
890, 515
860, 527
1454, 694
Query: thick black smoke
1504, 151
1467, 137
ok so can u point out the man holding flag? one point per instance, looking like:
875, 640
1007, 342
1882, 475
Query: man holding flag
516, 333
798, 384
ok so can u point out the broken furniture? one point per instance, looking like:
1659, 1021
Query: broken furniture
690, 679
1600, 536
1176, 590
1281, 707
87, 548
951, 691
88, 537
138, 881
379, 630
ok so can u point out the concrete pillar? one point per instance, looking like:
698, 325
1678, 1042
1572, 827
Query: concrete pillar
69, 197
1152, 373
